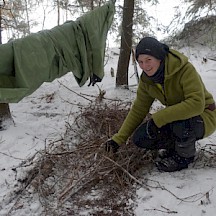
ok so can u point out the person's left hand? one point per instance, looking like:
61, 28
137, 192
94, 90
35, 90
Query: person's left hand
151, 129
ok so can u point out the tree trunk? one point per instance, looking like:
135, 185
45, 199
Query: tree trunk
126, 44
5, 114
27, 17
92, 5
58, 12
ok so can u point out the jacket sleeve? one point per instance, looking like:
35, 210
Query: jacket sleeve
193, 103
136, 115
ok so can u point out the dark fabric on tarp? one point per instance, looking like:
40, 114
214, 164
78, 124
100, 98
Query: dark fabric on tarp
76, 46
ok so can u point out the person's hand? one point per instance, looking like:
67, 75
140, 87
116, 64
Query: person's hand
111, 146
151, 129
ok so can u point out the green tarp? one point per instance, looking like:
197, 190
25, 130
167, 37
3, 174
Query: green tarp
76, 46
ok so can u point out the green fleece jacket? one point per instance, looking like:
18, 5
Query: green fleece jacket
184, 96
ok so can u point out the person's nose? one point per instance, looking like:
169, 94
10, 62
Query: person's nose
145, 66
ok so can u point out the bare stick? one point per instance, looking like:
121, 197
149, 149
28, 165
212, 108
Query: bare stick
125, 171
74, 91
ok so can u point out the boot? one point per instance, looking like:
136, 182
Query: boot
165, 153
174, 163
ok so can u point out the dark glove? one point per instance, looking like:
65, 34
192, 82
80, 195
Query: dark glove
111, 146
151, 129
94, 79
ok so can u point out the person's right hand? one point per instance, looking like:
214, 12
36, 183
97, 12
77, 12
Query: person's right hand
111, 146
151, 129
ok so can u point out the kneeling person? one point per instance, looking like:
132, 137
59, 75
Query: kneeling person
190, 112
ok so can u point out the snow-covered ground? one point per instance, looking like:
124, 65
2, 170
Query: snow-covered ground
41, 118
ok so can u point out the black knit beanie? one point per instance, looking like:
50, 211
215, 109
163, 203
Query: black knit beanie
151, 46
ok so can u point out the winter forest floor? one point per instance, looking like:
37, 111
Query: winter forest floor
53, 161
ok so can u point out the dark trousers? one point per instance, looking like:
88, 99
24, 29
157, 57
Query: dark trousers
179, 136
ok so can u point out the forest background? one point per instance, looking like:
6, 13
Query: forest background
133, 20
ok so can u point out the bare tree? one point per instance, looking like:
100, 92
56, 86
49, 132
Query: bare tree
58, 12
17, 17
27, 17
91, 4
126, 44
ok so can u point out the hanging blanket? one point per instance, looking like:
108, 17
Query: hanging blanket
76, 46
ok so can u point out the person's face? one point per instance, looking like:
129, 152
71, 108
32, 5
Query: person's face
148, 64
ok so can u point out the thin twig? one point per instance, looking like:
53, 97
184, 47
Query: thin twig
159, 210
74, 91
11, 156
125, 171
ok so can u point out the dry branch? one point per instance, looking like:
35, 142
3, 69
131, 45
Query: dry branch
80, 164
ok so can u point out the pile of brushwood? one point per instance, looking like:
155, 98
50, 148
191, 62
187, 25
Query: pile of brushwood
75, 174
